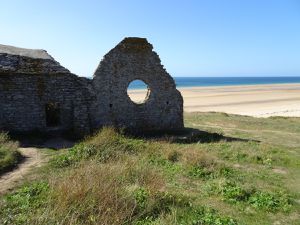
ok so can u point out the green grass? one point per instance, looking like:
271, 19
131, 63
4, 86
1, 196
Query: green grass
249, 173
9, 155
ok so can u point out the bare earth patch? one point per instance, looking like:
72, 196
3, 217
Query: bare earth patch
33, 158
279, 170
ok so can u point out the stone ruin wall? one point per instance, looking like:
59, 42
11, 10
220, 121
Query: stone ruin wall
134, 59
23, 98
27, 84
30, 81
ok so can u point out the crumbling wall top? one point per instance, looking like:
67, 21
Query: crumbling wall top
28, 61
134, 44
31, 53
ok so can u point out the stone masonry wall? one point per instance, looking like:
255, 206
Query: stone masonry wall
30, 79
23, 99
133, 59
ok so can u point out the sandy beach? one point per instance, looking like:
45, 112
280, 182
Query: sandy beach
251, 100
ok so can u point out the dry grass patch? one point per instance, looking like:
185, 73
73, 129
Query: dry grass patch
196, 157
96, 192
93, 192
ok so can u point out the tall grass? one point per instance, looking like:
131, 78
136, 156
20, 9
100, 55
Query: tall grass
105, 146
107, 179
111, 178
96, 192
9, 155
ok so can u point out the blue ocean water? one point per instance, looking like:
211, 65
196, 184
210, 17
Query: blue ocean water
222, 81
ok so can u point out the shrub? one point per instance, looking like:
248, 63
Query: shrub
141, 197
231, 192
271, 201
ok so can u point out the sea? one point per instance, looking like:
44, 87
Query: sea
221, 81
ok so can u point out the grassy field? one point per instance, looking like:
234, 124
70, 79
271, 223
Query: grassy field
9, 155
238, 170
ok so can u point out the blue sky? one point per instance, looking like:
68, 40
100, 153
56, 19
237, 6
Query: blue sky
193, 38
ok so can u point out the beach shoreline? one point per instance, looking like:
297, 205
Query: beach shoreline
251, 100
241, 86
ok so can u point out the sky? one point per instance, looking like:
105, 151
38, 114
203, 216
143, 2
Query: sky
193, 37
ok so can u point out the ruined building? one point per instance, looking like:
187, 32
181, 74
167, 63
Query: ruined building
38, 94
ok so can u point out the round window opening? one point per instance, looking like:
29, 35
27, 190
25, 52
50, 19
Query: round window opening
138, 91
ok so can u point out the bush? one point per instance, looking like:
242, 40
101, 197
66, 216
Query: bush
141, 197
272, 201
231, 192
268, 201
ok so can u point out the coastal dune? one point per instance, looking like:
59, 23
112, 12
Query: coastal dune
251, 100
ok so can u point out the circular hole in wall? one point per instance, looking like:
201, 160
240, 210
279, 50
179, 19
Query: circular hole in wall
138, 91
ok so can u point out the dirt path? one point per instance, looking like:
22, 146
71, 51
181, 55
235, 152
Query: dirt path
33, 158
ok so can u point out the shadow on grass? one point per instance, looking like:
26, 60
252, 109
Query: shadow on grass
41, 140
19, 159
187, 136
181, 136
